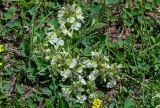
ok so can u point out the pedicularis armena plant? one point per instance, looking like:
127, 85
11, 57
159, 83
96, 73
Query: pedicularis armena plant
79, 74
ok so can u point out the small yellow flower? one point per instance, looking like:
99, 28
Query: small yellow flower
96, 103
0, 63
1, 48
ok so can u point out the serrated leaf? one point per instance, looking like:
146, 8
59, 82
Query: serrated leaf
10, 12
20, 89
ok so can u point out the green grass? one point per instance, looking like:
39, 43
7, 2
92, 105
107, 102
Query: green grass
127, 32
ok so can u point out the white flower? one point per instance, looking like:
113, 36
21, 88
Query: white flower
81, 99
61, 12
51, 34
62, 24
87, 63
71, 19
73, 64
53, 40
82, 80
66, 93
69, 34
60, 43
73, 7
52, 62
119, 66
94, 64
64, 30
66, 90
80, 70
56, 42
56, 46
111, 84
106, 58
76, 25
65, 73
108, 66
80, 17
92, 95
93, 75
95, 53
78, 10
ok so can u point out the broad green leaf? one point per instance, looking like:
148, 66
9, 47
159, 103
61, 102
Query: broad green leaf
129, 103
95, 8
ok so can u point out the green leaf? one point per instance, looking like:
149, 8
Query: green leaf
61, 104
109, 2
10, 12
31, 103
95, 8
120, 43
49, 103
129, 103
20, 89
112, 105
46, 91
54, 22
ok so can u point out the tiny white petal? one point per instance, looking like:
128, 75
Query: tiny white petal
56, 46
94, 64
52, 61
78, 10
64, 30
80, 70
93, 75
61, 12
71, 20
54, 39
82, 80
76, 25
60, 42
73, 64
69, 34
94, 53
65, 73
108, 66
80, 17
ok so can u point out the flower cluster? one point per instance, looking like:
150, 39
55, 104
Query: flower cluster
96, 103
77, 74
54, 40
70, 19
